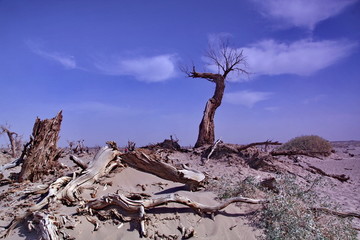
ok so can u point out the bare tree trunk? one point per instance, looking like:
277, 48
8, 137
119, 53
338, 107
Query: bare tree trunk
12, 139
207, 126
43, 152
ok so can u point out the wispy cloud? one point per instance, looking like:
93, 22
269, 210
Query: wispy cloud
302, 13
148, 69
303, 57
246, 98
65, 60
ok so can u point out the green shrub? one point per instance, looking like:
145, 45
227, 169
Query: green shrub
312, 144
290, 215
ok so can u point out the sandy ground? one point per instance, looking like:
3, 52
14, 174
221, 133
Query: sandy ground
231, 223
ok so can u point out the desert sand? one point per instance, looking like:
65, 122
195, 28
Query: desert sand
167, 222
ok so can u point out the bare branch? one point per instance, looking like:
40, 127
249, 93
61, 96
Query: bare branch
13, 138
257, 144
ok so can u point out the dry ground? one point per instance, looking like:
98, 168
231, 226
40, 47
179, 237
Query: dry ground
223, 169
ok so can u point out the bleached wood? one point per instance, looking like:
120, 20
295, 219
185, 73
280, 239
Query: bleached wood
140, 206
95, 170
47, 226
51, 196
134, 205
149, 162
78, 161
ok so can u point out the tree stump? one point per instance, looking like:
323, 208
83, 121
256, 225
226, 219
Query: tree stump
42, 155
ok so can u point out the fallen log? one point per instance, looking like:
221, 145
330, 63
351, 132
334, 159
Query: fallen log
297, 152
337, 213
139, 206
146, 161
266, 143
134, 205
340, 177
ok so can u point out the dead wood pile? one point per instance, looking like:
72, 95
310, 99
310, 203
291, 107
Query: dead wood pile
68, 189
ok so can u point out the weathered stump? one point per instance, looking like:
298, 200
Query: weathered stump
42, 155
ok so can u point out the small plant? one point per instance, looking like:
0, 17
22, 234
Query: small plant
290, 214
312, 144
245, 188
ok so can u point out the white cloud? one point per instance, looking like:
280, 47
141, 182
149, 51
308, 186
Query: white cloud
66, 61
246, 98
148, 69
303, 57
303, 13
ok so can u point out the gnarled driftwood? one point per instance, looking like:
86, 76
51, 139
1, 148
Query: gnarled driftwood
144, 160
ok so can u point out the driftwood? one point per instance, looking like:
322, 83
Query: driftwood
17, 161
53, 195
140, 206
43, 153
337, 213
144, 160
79, 162
297, 152
266, 143
341, 177
97, 168
47, 226
65, 188
212, 150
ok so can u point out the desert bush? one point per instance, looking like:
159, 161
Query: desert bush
290, 214
312, 144
245, 188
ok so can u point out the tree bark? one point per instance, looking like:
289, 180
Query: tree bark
145, 161
43, 153
207, 126
12, 140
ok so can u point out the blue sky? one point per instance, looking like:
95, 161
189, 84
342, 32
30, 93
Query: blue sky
113, 68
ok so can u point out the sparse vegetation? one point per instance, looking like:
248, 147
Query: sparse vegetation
245, 188
311, 144
290, 214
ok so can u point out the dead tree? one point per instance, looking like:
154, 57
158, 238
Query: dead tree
43, 153
227, 60
13, 138
144, 160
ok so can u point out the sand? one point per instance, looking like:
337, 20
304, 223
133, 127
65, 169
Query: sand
166, 221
